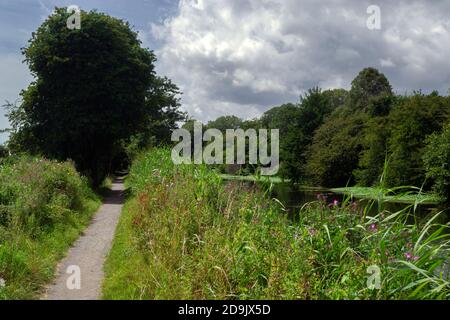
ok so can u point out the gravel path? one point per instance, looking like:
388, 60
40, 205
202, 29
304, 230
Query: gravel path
88, 254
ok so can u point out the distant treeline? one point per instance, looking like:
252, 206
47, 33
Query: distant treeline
366, 136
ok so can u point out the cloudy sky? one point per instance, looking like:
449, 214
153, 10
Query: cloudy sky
244, 56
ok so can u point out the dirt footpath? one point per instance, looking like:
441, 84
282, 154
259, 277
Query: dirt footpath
80, 273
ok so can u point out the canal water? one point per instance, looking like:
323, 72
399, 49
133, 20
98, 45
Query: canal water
293, 197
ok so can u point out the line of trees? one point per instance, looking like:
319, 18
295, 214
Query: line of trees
335, 138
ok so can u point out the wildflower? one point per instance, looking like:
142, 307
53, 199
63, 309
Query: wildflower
312, 232
321, 197
335, 203
410, 257
373, 227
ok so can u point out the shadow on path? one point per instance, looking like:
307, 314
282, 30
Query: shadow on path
115, 195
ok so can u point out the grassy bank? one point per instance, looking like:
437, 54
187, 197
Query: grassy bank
186, 235
44, 206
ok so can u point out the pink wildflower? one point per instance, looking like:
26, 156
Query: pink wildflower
373, 227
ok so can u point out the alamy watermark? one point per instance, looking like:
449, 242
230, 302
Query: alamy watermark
235, 147
74, 21
374, 280
73, 281
374, 20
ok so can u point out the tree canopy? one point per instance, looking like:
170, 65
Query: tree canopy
3, 151
437, 162
92, 88
368, 84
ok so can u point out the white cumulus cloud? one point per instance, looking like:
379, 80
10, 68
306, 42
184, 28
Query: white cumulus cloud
244, 56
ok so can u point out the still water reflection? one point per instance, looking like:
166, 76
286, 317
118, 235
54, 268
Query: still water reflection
294, 197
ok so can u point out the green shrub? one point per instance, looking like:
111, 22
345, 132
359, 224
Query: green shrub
37, 193
44, 205
437, 162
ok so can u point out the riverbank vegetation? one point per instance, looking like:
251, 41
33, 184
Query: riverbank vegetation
187, 235
44, 206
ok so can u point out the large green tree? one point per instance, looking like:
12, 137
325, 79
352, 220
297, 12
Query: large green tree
411, 121
297, 124
375, 140
286, 119
3, 151
437, 162
334, 155
93, 87
369, 84
335, 149
225, 122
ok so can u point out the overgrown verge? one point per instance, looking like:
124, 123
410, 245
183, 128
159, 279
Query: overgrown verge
44, 206
185, 234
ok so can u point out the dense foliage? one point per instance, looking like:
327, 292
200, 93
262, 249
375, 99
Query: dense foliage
3, 151
335, 150
96, 102
335, 153
187, 235
367, 136
411, 121
437, 162
44, 206
93, 87
368, 85
297, 124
